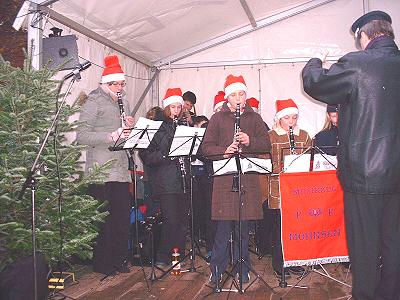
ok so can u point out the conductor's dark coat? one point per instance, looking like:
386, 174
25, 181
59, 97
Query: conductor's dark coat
367, 85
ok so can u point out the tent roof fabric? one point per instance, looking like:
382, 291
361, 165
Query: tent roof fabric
157, 30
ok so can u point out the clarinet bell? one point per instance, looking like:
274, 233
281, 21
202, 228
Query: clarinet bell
235, 184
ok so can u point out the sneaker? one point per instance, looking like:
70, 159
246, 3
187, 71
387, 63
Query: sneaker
296, 270
279, 273
123, 268
345, 265
208, 257
245, 278
160, 264
213, 279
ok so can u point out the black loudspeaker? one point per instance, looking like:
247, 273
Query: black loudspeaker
58, 50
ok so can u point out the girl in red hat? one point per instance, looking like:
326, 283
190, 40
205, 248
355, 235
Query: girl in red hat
168, 180
286, 138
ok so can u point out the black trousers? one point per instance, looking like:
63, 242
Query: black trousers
112, 243
265, 230
202, 194
220, 252
277, 256
174, 209
373, 238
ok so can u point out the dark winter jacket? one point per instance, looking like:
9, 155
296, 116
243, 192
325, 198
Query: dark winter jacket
164, 172
367, 85
218, 136
327, 140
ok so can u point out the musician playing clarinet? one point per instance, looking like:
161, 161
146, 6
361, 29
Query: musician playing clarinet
103, 123
286, 138
222, 139
168, 178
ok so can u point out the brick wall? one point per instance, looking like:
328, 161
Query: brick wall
12, 42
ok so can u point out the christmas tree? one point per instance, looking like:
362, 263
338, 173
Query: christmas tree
67, 219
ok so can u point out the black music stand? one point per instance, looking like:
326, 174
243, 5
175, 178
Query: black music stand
185, 146
292, 151
139, 138
239, 158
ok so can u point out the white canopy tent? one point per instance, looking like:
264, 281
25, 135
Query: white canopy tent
195, 44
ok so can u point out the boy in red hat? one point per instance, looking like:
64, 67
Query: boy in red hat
102, 125
253, 103
219, 100
221, 141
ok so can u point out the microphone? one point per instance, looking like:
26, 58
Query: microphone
291, 140
78, 69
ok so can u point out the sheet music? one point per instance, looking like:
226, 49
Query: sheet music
224, 166
183, 138
135, 140
324, 162
257, 165
296, 163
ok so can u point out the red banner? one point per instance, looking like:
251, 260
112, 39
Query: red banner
312, 219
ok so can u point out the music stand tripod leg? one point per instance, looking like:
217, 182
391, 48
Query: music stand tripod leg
138, 254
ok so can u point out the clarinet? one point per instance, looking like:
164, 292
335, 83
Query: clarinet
121, 109
291, 141
123, 124
181, 159
235, 179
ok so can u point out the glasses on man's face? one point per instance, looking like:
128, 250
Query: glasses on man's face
122, 84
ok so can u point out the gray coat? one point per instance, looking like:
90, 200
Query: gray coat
218, 136
101, 116
366, 84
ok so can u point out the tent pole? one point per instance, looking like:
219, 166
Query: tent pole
146, 90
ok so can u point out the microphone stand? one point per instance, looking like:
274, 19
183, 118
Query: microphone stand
31, 182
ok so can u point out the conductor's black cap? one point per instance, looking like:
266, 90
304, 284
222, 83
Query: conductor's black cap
368, 17
332, 108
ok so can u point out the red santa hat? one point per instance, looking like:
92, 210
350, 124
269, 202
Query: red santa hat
285, 107
173, 95
233, 84
219, 100
112, 71
253, 103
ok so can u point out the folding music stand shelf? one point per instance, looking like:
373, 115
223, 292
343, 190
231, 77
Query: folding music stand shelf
139, 138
